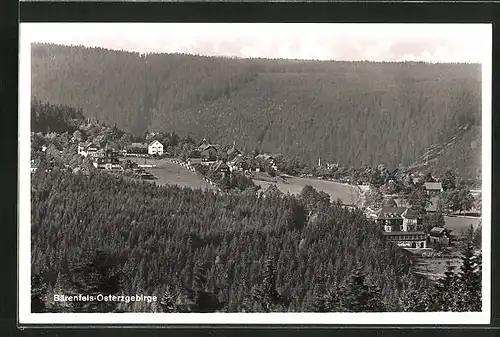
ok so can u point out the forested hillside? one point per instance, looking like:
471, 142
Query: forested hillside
165, 233
201, 251
460, 152
352, 113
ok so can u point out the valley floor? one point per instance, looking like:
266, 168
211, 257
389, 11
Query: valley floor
168, 173
347, 193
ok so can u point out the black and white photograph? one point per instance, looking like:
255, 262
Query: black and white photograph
255, 173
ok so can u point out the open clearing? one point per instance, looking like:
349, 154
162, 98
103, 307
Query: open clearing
458, 224
434, 268
169, 173
347, 193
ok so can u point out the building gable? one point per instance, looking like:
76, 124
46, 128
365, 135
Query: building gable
390, 213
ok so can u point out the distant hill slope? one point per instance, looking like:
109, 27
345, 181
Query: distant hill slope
351, 113
460, 152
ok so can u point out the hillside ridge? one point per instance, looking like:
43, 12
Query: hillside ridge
352, 113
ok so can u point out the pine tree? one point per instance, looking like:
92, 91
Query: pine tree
469, 281
358, 296
411, 298
38, 293
167, 302
96, 274
326, 302
445, 295
267, 295
197, 298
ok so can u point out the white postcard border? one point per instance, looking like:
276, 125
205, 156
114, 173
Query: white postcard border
426, 318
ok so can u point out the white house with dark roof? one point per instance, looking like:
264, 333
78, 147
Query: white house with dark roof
433, 188
91, 150
440, 235
403, 226
155, 148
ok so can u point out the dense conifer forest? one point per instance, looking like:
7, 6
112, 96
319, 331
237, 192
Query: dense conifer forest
201, 251
351, 113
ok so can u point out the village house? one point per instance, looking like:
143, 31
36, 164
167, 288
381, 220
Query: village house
267, 158
32, 166
208, 152
233, 153
417, 177
330, 166
440, 235
221, 168
155, 148
238, 164
402, 225
195, 161
433, 188
476, 193
92, 150
109, 161
137, 149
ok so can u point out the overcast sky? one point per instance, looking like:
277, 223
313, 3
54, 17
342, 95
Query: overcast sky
324, 41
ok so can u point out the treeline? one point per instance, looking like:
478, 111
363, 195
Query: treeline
234, 252
47, 117
351, 113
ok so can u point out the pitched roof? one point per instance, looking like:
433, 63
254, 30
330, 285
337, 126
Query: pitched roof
438, 231
236, 160
232, 151
138, 145
390, 212
220, 165
264, 156
433, 186
410, 214
155, 141
204, 147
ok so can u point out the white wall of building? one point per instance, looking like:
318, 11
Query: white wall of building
155, 148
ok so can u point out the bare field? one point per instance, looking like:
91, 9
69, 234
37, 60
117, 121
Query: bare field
434, 268
174, 174
347, 193
459, 224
